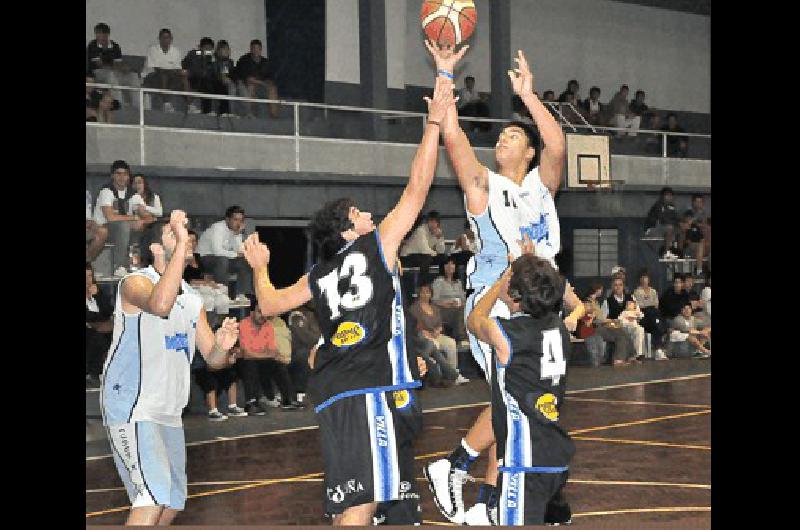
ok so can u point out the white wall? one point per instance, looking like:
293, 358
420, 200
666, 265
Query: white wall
342, 57
396, 43
607, 44
135, 23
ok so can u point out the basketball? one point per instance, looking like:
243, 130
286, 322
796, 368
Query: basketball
448, 22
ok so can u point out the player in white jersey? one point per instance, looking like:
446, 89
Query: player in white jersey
158, 319
507, 209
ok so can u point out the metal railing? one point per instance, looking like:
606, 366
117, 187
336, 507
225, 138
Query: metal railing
385, 114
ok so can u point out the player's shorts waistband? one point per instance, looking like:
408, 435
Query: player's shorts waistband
373, 390
542, 469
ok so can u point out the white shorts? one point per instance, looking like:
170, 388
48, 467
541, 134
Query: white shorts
151, 460
481, 351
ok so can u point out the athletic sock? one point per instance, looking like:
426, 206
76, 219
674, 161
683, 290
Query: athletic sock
213, 410
463, 456
486, 493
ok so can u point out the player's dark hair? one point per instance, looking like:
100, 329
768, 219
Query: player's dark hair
534, 140
232, 210
256, 41
328, 224
102, 27
152, 234
536, 285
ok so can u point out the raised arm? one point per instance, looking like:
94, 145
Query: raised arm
554, 148
400, 220
486, 328
472, 176
272, 301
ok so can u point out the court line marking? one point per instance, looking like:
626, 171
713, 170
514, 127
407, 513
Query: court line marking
655, 403
438, 409
642, 442
639, 422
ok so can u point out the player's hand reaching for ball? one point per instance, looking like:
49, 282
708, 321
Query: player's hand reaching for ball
255, 252
443, 99
178, 224
227, 334
445, 56
521, 76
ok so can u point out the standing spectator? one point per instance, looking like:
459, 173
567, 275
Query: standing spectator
690, 239
689, 337
255, 78
96, 234
673, 300
449, 297
677, 146
622, 116
106, 66
429, 326
615, 304
202, 74
214, 382
638, 106
220, 249
305, 334
144, 204
572, 86
225, 81
111, 211
472, 103
592, 107
662, 219
99, 325
647, 298
424, 244
163, 64
260, 365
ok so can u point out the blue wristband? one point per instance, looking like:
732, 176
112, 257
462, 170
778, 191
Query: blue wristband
446, 74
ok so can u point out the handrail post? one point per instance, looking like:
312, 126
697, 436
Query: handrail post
296, 136
141, 127
664, 146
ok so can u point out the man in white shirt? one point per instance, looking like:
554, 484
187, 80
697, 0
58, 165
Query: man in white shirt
472, 103
424, 244
220, 249
164, 70
96, 235
111, 211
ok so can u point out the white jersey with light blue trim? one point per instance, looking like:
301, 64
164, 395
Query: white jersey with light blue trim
511, 211
146, 376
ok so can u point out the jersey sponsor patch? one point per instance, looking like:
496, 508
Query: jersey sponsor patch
546, 405
402, 399
348, 334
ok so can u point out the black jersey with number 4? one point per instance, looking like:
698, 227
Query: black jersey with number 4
360, 312
527, 394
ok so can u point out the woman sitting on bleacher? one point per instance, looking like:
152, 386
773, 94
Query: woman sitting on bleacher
653, 323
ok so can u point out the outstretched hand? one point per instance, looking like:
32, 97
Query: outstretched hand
445, 56
521, 77
255, 252
442, 100
227, 334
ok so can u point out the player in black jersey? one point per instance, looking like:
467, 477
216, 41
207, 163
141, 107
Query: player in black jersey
528, 384
361, 380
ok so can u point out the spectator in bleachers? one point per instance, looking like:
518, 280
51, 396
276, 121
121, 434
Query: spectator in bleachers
613, 307
698, 208
99, 325
305, 334
106, 66
111, 211
653, 143
592, 108
439, 371
677, 146
571, 113
425, 246
705, 295
429, 326
200, 63
214, 382
690, 237
164, 71
99, 104
594, 322
256, 78
194, 273
473, 103
263, 343
466, 241
220, 249
647, 299
520, 111
225, 81
549, 95
662, 219
638, 106
449, 297
572, 86
673, 300
630, 319
707, 241
144, 204
621, 114
689, 336
96, 235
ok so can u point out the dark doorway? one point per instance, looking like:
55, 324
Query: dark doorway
287, 247
296, 47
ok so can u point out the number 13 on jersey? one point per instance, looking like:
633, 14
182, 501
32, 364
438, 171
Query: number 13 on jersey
359, 290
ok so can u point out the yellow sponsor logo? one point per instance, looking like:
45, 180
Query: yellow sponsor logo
546, 404
348, 334
401, 398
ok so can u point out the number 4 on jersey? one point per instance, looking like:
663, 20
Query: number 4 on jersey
554, 366
359, 291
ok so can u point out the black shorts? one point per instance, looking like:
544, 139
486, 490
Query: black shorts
217, 380
524, 497
367, 451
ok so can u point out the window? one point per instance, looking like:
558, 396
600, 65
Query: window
595, 251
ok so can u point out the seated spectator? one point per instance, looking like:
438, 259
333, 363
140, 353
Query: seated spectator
255, 78
572, 86
449, 297
99, 104
677, 146
549, 95
653, 144
214, 382
305, 334
96, 234
261, 363
473, 103
695, 298
164, 71
225, 81
690, 238
144, 204
425, 246
595, 323
111, 211
662, 221
617, 271
194, 273
199, 62
592, 108
520, 111
630, 322
220, 249
439, 372
621, 115
647, 299
429, 326
99, 325
466, 241
570, 109
638, 106
613, 307
106, 66
705, 295
673, 300
688, 336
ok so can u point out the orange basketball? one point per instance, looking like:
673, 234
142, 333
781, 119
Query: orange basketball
448, 22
